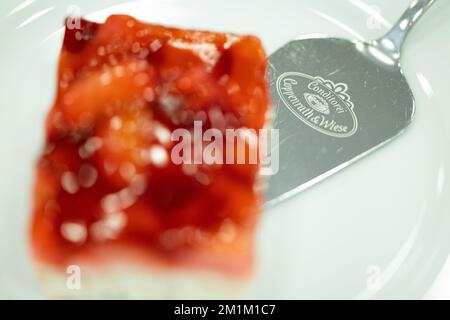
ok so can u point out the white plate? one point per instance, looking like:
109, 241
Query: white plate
379, 229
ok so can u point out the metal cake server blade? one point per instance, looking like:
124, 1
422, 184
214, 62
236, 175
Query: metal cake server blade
336, 101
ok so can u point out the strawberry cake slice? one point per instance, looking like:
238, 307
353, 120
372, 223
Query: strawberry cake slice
113, 214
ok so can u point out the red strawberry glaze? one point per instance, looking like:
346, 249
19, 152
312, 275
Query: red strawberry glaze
105, 185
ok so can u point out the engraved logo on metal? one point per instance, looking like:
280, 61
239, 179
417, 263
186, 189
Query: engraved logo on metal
321, 104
